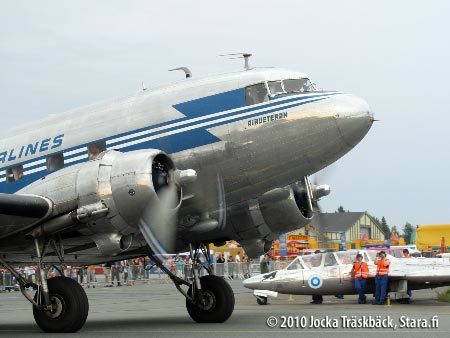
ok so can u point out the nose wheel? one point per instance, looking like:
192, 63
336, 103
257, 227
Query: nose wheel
68, 308
213, 303
261, 300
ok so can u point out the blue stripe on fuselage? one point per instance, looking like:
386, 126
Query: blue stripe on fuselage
190, 112
180, 141
212, 104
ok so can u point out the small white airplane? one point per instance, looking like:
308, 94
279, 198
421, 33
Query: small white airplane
167, 170
330, 274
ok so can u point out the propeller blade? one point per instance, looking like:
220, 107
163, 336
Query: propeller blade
158, 223
222, 204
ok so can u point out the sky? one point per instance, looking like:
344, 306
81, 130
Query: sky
58, 55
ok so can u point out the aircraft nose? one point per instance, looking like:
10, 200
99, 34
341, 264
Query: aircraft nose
252, 282
354, 118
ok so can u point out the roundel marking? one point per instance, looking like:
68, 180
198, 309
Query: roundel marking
315, 282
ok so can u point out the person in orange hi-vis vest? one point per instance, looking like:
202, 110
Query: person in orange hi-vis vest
360, 272
381, 278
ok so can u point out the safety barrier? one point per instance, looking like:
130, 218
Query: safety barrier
106, 276
7, 282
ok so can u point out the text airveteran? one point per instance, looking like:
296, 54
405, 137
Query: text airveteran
267, 118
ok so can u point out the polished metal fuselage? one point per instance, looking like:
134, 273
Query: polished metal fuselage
252, 149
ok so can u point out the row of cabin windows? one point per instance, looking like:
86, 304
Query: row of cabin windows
55, 162
260, 92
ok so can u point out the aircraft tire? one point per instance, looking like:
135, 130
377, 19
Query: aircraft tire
72, 307
219, 303
261, 300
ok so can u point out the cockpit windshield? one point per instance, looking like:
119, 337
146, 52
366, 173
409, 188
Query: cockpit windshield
298, 85
275, 87
312, 261
289, 86
295, 265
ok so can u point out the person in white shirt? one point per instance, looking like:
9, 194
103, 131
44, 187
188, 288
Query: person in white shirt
237, 260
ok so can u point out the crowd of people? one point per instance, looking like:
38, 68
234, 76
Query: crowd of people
127, 272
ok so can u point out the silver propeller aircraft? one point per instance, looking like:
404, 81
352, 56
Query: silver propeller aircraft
166, 170
330, 274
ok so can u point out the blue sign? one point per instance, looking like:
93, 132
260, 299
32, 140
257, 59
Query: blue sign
283, 248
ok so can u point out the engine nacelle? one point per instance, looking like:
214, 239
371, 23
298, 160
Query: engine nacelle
278, 211
123, 183
282, 211
255, 247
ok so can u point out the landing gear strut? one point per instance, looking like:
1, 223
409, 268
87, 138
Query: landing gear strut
210, 298
59, 304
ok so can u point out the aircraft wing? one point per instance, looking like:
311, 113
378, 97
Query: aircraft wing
18, 212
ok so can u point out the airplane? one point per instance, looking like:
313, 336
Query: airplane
169, 169
329, 273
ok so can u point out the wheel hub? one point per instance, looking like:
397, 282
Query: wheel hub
207, 300
57, 307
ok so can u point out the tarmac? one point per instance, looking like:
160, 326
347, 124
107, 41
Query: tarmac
156, 309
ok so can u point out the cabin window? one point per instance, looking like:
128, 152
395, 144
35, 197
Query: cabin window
275, 87
14, 174
256, 94
94, 149
55, 162
298, 85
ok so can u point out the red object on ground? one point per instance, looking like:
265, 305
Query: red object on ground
443, 247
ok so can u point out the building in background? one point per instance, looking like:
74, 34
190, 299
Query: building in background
349, 230
334, 230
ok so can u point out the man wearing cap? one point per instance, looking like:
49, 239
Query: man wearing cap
381, 278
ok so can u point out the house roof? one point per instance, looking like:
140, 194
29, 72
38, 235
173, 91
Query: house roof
336, 221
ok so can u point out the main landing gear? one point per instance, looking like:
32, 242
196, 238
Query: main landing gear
68, 308
59, 304
210, 298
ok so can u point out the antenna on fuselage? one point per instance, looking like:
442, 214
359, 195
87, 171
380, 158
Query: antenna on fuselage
245, 56
186, 71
